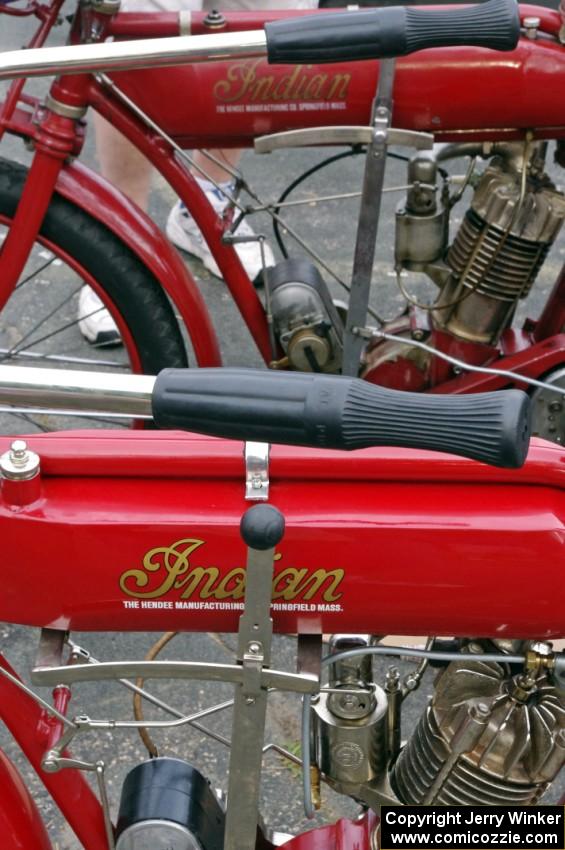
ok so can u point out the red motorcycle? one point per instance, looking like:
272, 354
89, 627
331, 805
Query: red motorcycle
140, 531
436, 95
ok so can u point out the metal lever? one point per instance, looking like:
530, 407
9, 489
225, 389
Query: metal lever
346, 135
371, 196
262, 527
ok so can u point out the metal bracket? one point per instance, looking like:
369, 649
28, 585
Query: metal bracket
65, 110
50, 648
106, 7
185, 22
256, 471
371, 196
309, 655
347, 135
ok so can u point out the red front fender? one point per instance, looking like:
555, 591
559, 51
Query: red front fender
126, 220
21, 826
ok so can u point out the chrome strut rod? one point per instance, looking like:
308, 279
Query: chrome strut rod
131, 55
70, 390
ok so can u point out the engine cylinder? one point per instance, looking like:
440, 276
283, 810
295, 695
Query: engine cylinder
497, 253
485, 739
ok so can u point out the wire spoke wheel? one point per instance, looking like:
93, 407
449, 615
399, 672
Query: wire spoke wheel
39, 327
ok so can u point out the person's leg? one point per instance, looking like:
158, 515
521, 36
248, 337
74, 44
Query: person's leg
218, 185
181, 227
121, 163
124, 166
129, 171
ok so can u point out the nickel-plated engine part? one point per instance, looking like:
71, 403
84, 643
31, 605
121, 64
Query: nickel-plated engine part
167, 804
306, 321
486, 738
503, 240
548, 409
421, 223
349, 725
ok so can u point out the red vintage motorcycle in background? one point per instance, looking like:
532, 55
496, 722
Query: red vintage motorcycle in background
500, 109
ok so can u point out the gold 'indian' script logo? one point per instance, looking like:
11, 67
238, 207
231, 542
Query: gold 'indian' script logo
169, 568
253, 82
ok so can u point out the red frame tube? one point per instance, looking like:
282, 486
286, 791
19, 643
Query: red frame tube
69, 788
35, 199
21, 826
207, 219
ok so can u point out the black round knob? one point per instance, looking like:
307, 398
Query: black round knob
262, 527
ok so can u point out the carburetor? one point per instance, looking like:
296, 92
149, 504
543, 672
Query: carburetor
306, 321
349, 728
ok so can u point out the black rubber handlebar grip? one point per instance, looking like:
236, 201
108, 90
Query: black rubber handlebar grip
392, 31
338, 412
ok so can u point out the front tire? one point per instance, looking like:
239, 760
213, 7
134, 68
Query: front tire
39, 325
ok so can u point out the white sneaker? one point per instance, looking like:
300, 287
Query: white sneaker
95, 322
183, 232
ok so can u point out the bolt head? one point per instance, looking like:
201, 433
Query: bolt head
19, 463
480, 711
542, 648
531, 25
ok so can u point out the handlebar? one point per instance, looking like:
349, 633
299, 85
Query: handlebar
295, 408
345, 36
338, 412
393, 31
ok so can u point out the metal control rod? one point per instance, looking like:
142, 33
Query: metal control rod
129, 55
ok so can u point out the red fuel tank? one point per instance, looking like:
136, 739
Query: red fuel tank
136, 531
459, 94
